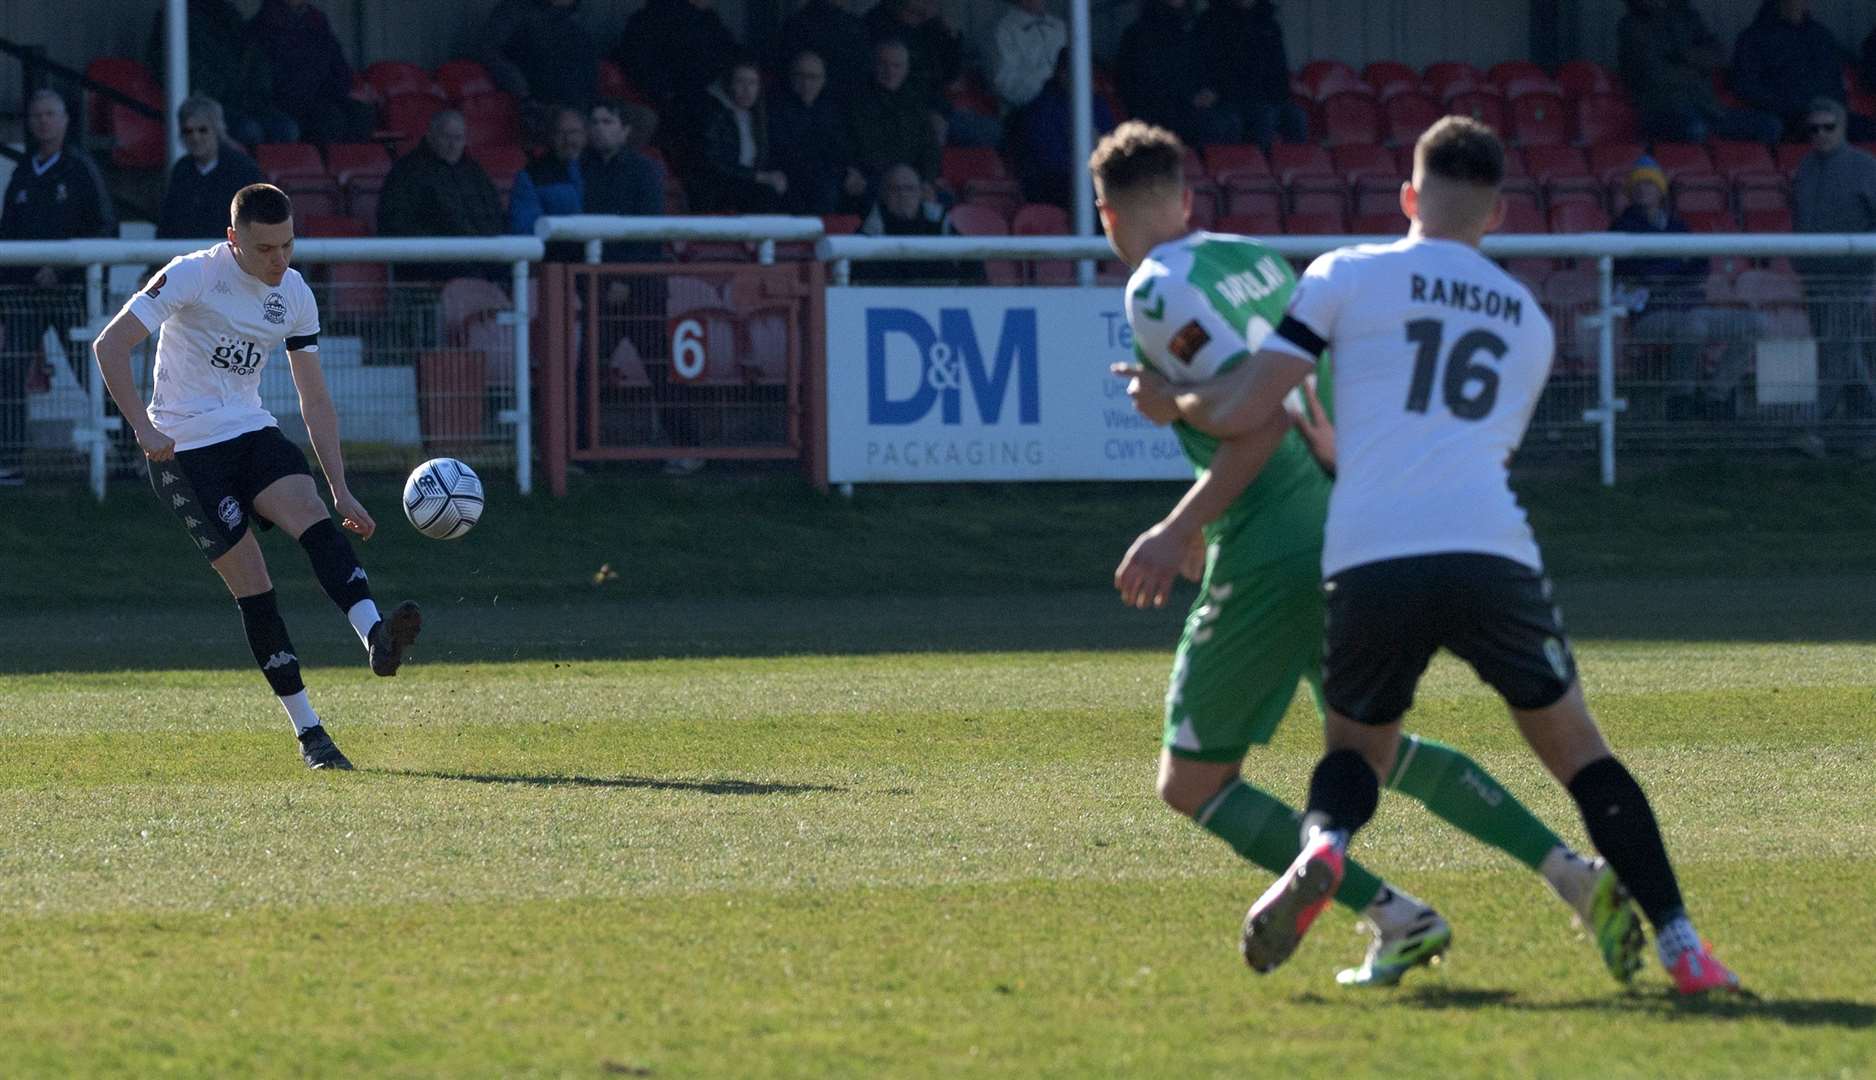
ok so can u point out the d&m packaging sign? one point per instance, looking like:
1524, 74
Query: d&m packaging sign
985, 384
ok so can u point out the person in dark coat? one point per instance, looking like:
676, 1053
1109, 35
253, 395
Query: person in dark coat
203, 182
312, 82
935, 54
1247, 63
227, 64
808, 142
438, 190
673, 49
620, 180
831, 31
1784, 59
540, 50
903, 210
57, 193
1667, 57
1041, 141
890, 123
738, 176
1162, 80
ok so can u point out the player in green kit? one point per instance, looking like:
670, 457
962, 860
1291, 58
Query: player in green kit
1198, 304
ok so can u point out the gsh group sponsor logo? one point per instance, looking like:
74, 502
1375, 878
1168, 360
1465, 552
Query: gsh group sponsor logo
913, 367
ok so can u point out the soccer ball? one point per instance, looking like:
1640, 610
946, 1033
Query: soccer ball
443, 498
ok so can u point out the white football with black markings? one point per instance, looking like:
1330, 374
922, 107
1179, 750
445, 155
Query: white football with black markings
443, 498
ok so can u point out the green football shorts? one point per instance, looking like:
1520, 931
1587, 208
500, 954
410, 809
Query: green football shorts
1253, 632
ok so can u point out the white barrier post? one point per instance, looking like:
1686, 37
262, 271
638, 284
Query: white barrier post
524, 390
1607, 405
1080, 66
175, 76
94, 378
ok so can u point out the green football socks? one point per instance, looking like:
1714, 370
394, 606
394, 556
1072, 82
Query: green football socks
1266, 832
1459, 790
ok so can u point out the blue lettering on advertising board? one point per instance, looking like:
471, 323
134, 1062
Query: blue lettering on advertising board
912, 367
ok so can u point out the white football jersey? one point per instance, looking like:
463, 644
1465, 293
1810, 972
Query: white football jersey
1439, 360
217, 325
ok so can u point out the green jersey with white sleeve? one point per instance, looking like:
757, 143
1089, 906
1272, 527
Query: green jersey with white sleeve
1199, 306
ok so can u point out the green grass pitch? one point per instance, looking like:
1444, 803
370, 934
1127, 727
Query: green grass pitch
884, 834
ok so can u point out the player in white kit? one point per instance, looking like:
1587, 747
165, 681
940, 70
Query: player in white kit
1440, 357
217, 457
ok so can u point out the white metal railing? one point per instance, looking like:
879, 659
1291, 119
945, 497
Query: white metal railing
593, 230
94, 255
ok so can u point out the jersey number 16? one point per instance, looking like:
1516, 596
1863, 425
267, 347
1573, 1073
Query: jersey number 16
1470, 389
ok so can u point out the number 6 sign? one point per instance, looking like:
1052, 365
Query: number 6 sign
687, 349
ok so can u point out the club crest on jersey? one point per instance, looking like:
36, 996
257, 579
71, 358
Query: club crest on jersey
1188, 341
229, 511
156, 287
274, 308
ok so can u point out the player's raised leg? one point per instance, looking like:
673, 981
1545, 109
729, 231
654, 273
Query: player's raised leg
293, 503
1622, 825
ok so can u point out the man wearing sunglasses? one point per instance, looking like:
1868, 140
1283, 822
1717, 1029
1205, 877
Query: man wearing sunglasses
202, 184
1835, 192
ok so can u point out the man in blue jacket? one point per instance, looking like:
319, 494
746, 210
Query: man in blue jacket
552, 183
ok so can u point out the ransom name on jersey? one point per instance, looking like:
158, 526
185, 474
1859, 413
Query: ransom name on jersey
240, 357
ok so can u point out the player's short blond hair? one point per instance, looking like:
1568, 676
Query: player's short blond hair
1461, 150
1136, 157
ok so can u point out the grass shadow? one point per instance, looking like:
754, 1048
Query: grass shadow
648, 783
1664, 1004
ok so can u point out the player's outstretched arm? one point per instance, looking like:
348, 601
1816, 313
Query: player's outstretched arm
322, 425
1146, 572
1247, 397
112, 352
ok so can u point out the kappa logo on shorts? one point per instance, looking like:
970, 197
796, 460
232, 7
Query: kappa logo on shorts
1558, 657
176, 502
274, 308
358, 574
189, 522
229, 511
1188, 341
168, 478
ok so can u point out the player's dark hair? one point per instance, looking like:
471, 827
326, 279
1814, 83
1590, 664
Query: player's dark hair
1460, 149
260, 204
1137, 155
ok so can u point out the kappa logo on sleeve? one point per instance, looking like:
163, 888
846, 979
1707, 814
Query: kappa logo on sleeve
1187, 343
156, 286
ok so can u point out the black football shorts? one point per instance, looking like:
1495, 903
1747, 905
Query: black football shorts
212, 488
1385, 620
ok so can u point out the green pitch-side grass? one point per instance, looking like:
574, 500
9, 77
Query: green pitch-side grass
879, 864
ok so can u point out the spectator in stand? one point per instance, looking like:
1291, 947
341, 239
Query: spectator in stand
903, 210
808, 140
890, 123
1162, 80
738, 175
1041, 142
1024, 50
312, 82
438, 190
1667, 57
55, 194
620, 180
203, 183
225, 63
935, 53
1785, 59
552, 183
540, 51
1835, 192
1665, 298
673, 49
1246, 61
832, 32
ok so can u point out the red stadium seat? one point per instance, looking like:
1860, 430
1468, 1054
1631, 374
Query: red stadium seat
313, 196
1540, 119
1523, 217
1350, 119
1546, 163
614, 84
492, 119
281, 162
348, 160
1406, 115
1604, 118
841, 224
1205, 203
1254, 193
1698, 194
1319, 195
1441, 76
1506, 72
978, 221
1289, 161
361, 196
1388, 224
328, 225
1732, 158
1753, 194
1768, 288
1313, 224
1222, 158
1251, 224
1356, 160
1613, 160
137, 141
1487, 109
393, 77
502, 161
460, 79
1708, 221
360, 289
1522, 189
1320, 78
1039, 219
1682, 157
1789, 155
1580, 78
1390, 77
967, 94
1377, 194
1578, 217
963, 163
1005, 195
409, 115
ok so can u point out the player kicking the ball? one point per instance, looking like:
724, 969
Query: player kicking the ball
217, 457
1199, 304
1440, 357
